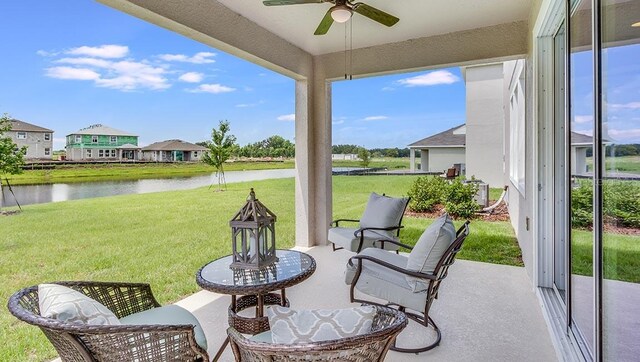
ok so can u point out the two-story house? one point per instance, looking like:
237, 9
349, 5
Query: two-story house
39, 140
99, 142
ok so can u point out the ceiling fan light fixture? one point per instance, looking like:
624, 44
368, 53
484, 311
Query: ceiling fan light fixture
341, 13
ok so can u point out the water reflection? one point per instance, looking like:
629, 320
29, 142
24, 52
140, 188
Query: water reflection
39, 194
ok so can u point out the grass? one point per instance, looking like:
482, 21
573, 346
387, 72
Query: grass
163, 238
621, 255
391, 163
630, 164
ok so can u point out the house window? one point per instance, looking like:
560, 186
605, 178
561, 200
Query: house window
517, 134
47, 136
89, 153
113, 139
100, 153
94, 139
195, 153
113, 153
22, 135
47, 152
78, 139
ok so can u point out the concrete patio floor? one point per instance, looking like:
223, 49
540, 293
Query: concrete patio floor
486, 312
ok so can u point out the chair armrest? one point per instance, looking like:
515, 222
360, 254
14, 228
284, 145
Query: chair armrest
412, 273
336, 222
383, 241
361, 230
122, 299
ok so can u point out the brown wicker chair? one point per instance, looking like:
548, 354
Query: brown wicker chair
374, 346
111, 343
433, 280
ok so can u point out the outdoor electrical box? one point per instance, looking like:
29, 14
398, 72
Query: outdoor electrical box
482, 197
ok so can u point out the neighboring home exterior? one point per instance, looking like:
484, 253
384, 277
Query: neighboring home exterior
344, 157
100, 142
38, 140
173, 151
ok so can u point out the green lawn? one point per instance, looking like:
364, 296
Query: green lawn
163, 239
621, 255
391, 163
629, 164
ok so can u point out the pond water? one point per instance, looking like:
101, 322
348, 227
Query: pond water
39, 194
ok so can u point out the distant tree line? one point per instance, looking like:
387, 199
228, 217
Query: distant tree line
375, 152
619, 150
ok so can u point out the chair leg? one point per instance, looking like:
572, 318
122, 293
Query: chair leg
333, 245
426, 323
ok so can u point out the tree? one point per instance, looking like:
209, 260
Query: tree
365, 156
11, 157
219, 150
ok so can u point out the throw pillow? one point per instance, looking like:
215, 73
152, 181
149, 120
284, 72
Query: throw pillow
289, 326
383, 211
68, 305
431, 246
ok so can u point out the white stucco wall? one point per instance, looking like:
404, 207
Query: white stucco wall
440, 159
35, 142
485, 123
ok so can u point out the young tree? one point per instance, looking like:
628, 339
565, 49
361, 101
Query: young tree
365, 156
11, 157
219, 150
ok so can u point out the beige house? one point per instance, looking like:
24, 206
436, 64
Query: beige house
588, 316
38, 140
173, 151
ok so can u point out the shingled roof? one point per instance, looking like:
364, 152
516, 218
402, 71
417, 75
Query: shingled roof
17, 125
99, 129
443, 139
173, 145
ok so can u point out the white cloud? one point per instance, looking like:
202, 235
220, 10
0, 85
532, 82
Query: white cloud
583, 119
428, 79
192, 77
44, 53
249, 105
72, 73
387, 89
212, 88
100, 63
198, 58
624, 134
375, 118
339, 121
102, 51
287, 117
631, 105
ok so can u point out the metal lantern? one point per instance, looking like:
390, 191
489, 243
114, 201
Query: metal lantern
253, 235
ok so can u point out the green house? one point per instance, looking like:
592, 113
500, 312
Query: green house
102, 143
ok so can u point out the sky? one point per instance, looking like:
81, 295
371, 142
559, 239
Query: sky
67, 64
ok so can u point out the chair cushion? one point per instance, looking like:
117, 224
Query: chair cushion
169, 315
381, 282
68, 305
383, 211
429, 249
345, 238
264, 337
289, 326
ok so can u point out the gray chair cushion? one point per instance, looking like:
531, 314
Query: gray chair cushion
429, 249
345, 238
170, 315
384, 283
383, 211
67, 305
264, 337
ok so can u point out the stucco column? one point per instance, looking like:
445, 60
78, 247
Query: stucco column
424, 160
412, 159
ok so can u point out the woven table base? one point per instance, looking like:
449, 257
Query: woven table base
252, 325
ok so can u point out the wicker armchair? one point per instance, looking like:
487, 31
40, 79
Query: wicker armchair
387, 324
142, 343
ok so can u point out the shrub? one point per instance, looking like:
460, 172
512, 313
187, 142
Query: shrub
459, 199
426, 192
621, 203
582, 204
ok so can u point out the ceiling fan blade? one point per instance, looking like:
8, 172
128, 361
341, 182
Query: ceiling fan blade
325, 24
290, 2
375, 14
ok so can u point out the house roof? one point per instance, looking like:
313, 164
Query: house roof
99, 129
173, 145
448, 138
128, 146
17, 125
581, 139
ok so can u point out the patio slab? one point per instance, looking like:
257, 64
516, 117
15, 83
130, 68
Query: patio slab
486, 312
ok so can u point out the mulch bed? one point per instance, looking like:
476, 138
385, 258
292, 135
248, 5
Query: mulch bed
500, 213
9, 213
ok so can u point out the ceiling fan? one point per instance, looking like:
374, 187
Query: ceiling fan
340, 12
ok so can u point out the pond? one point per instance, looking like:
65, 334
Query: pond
39, 194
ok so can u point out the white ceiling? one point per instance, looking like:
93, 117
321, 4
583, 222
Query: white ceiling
418, 18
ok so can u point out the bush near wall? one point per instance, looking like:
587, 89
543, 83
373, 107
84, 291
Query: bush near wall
621, 203
456, 196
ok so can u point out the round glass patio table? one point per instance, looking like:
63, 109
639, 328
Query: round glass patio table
255, 287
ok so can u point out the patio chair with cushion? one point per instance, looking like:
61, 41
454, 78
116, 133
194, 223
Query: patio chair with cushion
409, 283
382, 219
100, 321
371, 345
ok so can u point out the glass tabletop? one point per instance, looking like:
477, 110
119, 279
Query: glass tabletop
291, 265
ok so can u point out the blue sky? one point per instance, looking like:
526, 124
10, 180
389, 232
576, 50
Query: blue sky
71, 63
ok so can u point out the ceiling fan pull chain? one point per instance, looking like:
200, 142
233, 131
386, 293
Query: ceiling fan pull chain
345, 52
351, 49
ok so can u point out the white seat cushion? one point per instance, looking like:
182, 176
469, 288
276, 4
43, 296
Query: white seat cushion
381, 282
67, 305
344, 237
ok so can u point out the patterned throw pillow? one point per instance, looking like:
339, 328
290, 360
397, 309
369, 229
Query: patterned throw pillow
68, 305
289, 326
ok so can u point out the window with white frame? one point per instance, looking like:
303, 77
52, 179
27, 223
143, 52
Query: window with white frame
21, 135
47, 152
94, 139
89, 153
78, 139
113, 153
113, 139
100, 153
47, 136
517, 160
195, 153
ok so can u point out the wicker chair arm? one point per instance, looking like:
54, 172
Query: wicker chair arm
412, 273
336, 223
383, 241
